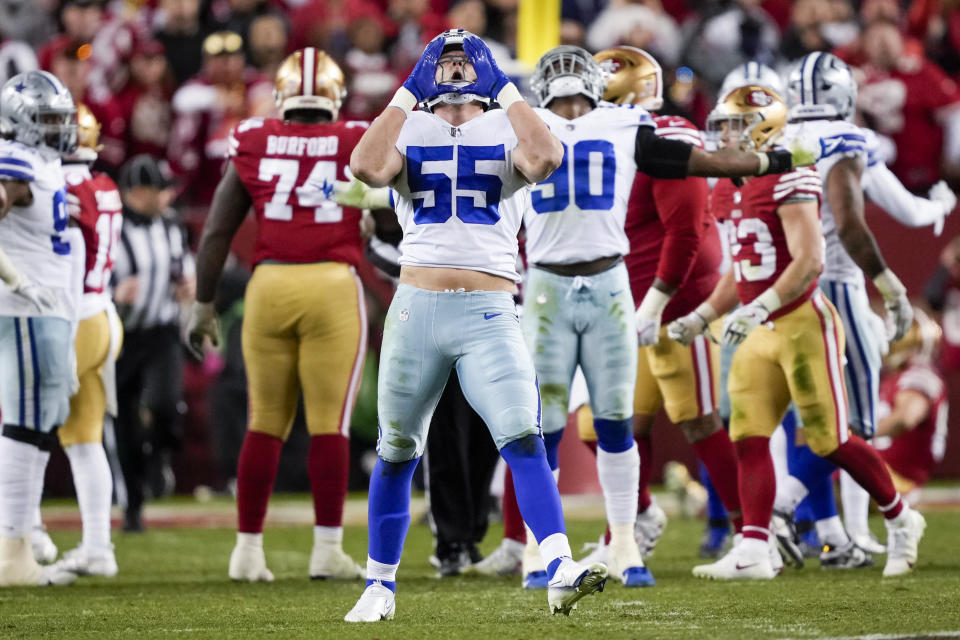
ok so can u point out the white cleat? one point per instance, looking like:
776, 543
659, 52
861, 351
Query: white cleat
740, 564
599, 551
776, 558
328, 562
533, 569
18, 567
505, 560
248, 563
868, 543
903, 537
82, 562
626, 565
649, 527
44, 550
573, 581
377, 603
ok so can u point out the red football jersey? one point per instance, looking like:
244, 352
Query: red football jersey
672, 236
758, 244
289, 169
915, 454
100, 218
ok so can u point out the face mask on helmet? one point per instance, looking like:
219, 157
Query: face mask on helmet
37, 111
567, 71
749, 118
454, 73
821, 87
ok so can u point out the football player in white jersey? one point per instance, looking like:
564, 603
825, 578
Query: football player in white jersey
35, 315
462, 174
578, 306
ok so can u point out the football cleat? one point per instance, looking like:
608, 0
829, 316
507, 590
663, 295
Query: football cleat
18, 567
598, 551
86, 563
649, 527
868, 543
44, 550
329, 562
903, 536
848, 556
534, 571
377, 603
627, 566
781, 525
776, 558
452, 564
715, 539
739, 564
505, 560
571, 582
248, 563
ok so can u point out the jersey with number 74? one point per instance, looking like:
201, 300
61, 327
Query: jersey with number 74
289, 168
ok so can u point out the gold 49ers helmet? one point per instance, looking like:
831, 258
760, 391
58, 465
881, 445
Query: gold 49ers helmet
753, 115
88, 135
632, 76
921, 342
309, 79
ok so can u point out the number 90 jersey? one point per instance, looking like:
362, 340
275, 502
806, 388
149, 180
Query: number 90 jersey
578, 213
289, 168
758, 243
460, 200
31, 236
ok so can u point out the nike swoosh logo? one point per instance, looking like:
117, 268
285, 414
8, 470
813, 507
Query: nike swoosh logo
741, 567
487, 316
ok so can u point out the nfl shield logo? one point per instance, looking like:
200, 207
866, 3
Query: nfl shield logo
404, 315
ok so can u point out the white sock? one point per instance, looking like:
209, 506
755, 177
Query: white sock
790, 492
619, 475
379, 571
778, 452
831, 532
328, 536
250, 540
554, 546
856, 505
39, 469
94, 485
17, 477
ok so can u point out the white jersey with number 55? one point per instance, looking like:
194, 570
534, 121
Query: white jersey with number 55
32, 236
577, 214
460, 200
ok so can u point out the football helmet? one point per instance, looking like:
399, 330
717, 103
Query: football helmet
754, 73
632, 76
755, 114
821, 87
36, 109
567, 71
453, 90
921, 342
88, 136
309, 79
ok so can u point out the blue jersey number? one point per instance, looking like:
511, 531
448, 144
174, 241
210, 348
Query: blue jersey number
432, 193
586, 195
60, 246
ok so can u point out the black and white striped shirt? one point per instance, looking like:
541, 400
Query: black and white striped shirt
155, 250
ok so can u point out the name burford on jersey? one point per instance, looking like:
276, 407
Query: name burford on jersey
838, 139
30, 236
578, 213
460, 200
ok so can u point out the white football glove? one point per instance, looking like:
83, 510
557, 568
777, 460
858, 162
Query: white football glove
42, 298
899, 310
942, 195
648, 316
202, 323
686, 328
740, 322
357, 194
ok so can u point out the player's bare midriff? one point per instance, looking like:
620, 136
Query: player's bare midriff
589, 268
444, 278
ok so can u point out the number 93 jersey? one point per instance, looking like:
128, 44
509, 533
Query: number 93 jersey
289, 168
460, 200
578, 213
31, 235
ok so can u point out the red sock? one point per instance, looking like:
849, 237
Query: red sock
718, 456
512, 520
256, 473
328, 465
758, 485
865, 465
645, 449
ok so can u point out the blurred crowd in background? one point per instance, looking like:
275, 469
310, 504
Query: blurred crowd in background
170, 78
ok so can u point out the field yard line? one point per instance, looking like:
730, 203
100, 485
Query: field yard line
897, 636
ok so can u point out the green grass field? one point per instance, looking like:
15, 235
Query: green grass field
173, 582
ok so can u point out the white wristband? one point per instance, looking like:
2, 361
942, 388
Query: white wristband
653, 303
889, 285
764, 163
404, 100
770, 300
8, 272
508, 96
706, 311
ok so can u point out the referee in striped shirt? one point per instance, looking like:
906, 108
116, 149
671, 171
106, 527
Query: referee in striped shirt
154, 277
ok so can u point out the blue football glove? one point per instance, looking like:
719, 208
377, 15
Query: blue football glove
490, 79
422, 82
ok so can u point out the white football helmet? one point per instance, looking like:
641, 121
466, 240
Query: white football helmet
36, 109
821, 87
752, 73
567, 71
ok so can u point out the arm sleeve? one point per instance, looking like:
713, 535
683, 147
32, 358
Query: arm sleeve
681, 209
659, 157
935, 293
886, 190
